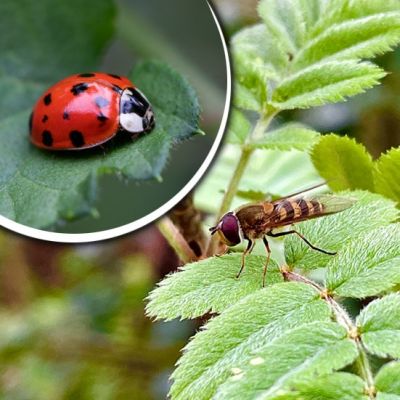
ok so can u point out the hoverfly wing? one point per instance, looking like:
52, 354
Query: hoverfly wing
291, 210
332, 204
302, 192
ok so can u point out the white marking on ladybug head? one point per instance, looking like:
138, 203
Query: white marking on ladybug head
136, 114
131, 122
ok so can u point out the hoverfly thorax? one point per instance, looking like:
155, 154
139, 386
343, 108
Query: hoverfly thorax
229, 229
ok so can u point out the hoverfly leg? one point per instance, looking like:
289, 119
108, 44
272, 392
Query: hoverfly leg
330, 253
266, 244
249, 249
226, 251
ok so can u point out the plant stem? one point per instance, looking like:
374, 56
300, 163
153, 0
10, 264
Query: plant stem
365, 371
247, 151
176, 240
362, 361
234, 183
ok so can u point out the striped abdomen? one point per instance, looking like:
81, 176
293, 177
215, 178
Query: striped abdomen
288, 211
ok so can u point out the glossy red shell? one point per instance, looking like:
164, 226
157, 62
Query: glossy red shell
78, 112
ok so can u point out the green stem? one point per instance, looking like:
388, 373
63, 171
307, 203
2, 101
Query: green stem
234, 183
364, 368
362, 361
247, 151
176, 240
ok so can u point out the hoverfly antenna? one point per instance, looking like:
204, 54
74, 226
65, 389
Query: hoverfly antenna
213, 229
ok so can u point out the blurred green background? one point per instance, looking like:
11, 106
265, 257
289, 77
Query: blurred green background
72, 322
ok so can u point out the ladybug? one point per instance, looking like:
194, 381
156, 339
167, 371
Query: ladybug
86, 110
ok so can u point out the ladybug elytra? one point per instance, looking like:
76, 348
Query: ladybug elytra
86, 110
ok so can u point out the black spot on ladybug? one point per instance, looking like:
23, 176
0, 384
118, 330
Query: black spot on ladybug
87, 75
65, 115
47, 138
47, 99
102, 118
117, 89
45, 118
101, 102
114, 76
77, 139
79, 88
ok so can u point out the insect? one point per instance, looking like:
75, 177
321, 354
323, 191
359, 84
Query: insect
258, 220
86, 110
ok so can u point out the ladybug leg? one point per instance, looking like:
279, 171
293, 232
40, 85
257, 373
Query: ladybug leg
134, 136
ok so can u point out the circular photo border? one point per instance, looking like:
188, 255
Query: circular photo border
154, 215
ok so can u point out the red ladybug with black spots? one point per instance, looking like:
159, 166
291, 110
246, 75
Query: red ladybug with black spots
86, 110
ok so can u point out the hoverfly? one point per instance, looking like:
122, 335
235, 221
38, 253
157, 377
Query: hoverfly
258, 220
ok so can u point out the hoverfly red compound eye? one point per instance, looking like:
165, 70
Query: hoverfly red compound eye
230, 229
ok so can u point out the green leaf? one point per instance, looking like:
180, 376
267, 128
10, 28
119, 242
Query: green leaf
379, 325
387, 381
245, 99
334, 231
285, 23
387, 396
43, 42
232, 339
66, 183
339, 11
238, 128
253, 55
343, 163
387, 176
209, 285
252, 195
312, 11
327, 82
309, 53
367, 265
339, 385
363, 37
257, 51
299, 354
288, 137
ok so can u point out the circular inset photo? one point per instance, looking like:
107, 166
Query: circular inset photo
110, 112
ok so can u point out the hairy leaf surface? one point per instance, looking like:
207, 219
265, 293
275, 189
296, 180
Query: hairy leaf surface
379, 325
209, 285
288, 137
367, 265
344, 163
300, 354
387, 381
263, 320
387, 175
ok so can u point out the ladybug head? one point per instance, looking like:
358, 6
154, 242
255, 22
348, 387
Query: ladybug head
136, 113
228, 229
